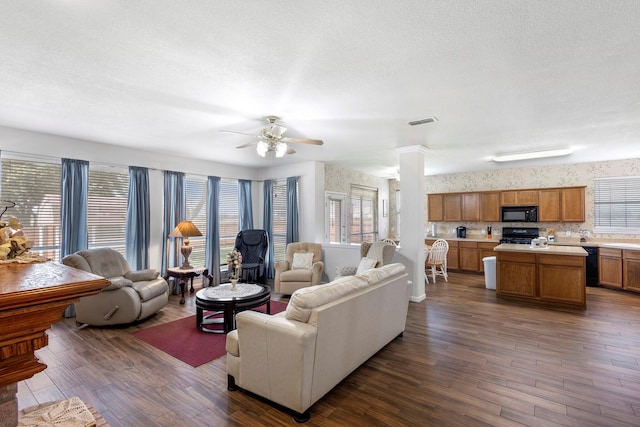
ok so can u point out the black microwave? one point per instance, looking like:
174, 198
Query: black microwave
519, 213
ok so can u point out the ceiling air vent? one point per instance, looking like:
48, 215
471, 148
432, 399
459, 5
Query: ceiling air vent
423, 121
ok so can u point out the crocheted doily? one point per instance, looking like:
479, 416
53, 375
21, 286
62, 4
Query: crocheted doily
63, 413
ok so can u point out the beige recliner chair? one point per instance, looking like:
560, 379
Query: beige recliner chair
132, 295
303, 267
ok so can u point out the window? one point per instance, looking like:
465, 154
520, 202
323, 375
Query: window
34, 185
335, 217
364, 214
229, 218
279, 236
107, 206
617, 205
196, 199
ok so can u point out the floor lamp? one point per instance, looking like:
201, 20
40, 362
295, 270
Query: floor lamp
185, 229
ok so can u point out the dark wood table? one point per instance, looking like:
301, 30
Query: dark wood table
182, 275
224, 301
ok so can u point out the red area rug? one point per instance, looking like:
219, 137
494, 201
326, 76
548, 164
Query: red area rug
182, 340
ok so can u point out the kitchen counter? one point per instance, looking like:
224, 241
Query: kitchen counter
549, 250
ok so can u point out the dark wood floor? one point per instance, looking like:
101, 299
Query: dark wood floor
465, 359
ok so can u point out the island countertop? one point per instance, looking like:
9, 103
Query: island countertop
550, 250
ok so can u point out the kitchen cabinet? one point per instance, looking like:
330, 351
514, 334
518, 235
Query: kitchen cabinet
452, 207
468, 256
490, 206
470, 206
631, 270
549, 205
435, 207
610, 267
516, 274
485, 249
519, 197
572, 204
556, 277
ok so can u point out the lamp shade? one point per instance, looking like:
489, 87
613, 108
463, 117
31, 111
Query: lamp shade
185, 229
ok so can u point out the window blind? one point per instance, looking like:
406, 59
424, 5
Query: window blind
279, 236
34, 186
229, 218
107, 206
364, 214
196, 207
617, 205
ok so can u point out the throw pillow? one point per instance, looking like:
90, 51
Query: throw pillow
302, 261
366, 264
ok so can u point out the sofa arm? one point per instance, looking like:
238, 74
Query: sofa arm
142, 275
316, 275
276, 358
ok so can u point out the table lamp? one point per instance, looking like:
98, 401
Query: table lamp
185, 229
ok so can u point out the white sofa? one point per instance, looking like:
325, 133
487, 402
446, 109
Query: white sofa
295, 357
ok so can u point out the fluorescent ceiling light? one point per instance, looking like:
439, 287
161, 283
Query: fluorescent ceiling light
532, 155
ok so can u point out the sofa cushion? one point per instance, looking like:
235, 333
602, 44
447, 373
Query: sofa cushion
302, 261
296, 276
106, 262
377, 274
305, 299
147, 274
366, 264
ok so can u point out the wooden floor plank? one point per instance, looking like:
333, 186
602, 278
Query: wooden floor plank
465, 359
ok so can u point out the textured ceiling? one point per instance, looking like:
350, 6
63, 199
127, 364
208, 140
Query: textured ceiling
166, 76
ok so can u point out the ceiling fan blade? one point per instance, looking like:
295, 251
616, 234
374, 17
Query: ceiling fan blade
236, 133
248, 144
304, 141
290, 151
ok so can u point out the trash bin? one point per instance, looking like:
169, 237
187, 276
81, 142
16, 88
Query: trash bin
489, 272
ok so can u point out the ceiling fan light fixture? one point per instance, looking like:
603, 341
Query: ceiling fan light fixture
262, 148
281, 149
556, 152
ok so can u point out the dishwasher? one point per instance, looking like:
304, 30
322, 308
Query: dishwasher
592, 265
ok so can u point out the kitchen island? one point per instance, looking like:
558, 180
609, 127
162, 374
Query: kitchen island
554, 275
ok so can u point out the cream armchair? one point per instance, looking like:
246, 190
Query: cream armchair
303, 267
131, 296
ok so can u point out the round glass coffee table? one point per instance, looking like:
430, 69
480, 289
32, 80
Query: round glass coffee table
222, 299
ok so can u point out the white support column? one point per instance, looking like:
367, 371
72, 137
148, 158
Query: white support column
412, 211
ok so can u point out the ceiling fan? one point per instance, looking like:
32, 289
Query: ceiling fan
271, 140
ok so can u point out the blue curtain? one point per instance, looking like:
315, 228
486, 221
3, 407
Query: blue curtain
212, 249
74, 204
292, 209
138, 219
267, 215
244, 204
174, 212
74, 192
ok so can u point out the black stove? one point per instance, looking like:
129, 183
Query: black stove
519, 235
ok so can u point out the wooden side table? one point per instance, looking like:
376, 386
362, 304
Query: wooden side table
182, 275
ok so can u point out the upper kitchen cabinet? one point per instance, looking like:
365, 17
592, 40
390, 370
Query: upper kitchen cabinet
561, 204
519, 197
490, 206
549, 205
452, 207
435, 206
471, 206
572, 204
